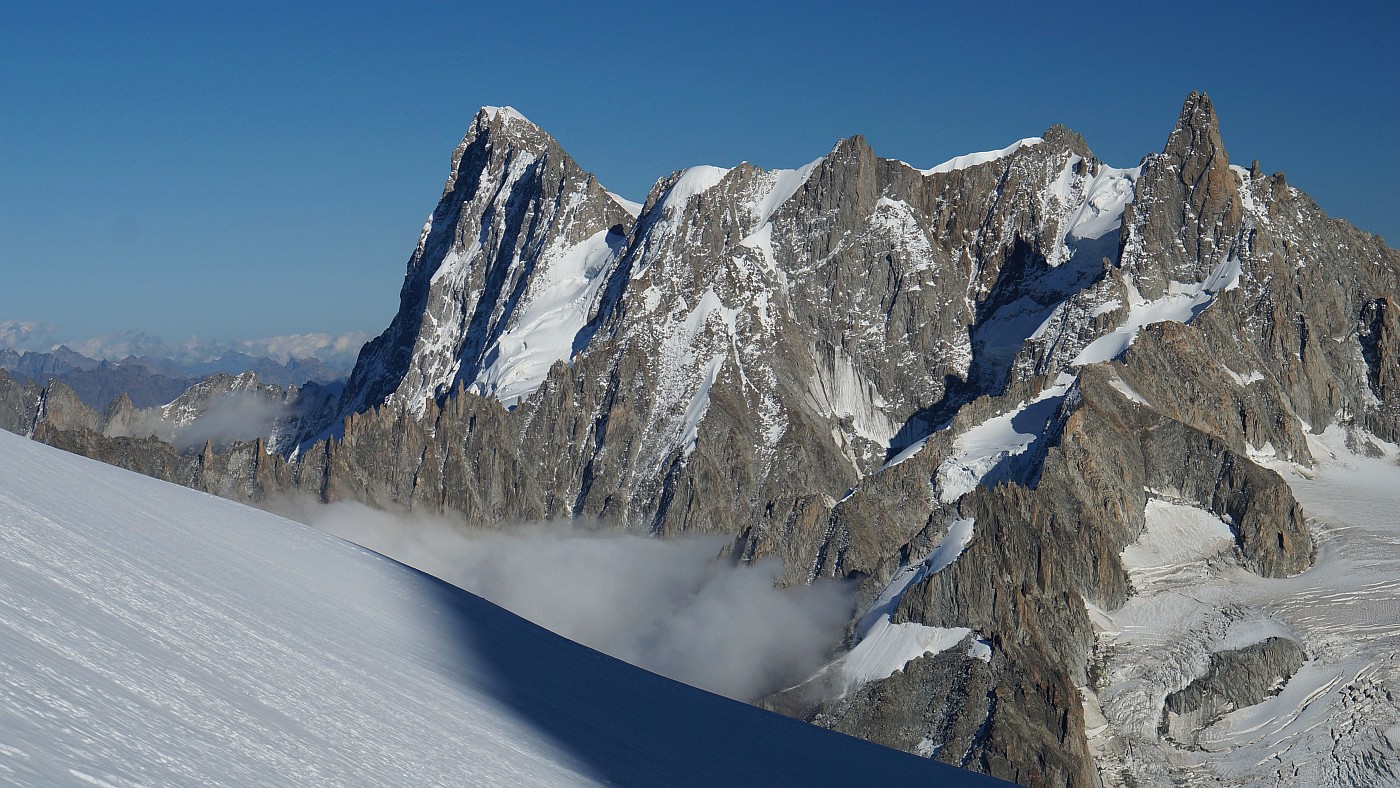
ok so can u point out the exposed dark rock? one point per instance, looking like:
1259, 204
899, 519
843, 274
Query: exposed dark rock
1235, 679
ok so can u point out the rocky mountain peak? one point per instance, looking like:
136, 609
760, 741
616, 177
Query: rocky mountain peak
1187, 214
913, 379
504, 277
1196, 122
506, 124
1058, 136
1195, 145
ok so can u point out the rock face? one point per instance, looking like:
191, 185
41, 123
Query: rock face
19, 404
955, 387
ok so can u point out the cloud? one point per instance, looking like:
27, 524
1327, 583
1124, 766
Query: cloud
665, 605
232, 416
336, 350
25, 335
138, 343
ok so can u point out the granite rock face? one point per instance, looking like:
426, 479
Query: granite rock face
956, 387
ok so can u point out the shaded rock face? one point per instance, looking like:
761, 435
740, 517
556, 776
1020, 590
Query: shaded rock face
19, 404
837, 364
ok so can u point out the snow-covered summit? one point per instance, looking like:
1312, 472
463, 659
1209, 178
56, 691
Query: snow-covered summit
508, 113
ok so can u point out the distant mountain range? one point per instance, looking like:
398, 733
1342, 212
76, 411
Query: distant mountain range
147, 381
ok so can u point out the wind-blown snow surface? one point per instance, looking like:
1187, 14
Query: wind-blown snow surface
1337, 721
150, 634
974, 159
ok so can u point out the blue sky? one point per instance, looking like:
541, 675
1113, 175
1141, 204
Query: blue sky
253, 171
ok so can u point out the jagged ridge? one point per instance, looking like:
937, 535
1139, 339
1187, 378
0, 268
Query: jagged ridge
837, 364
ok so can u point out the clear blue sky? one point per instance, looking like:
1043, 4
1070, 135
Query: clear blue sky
247, 171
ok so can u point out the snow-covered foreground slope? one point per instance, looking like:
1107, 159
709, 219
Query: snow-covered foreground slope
1337, 720
154, 635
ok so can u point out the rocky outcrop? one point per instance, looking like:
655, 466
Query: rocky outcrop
1235, 679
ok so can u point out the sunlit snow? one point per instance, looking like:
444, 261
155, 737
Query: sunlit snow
973, 159
544, 329
1181, 304
154, 635
1334, 722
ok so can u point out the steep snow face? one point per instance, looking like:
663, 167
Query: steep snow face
633, 209
1181, 304
693, 181
885, 647
777, 187
151, 634
996, 450
974, 159
544, 328
1092, 204
1335, 721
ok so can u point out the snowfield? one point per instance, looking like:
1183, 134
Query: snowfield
150, 634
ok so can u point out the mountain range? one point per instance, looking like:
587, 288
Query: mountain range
149, 381
990, 394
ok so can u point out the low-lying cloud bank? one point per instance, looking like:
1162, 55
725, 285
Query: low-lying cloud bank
663, 605
229, 417
25, 334
335, 350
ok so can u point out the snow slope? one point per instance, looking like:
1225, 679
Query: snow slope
973, 159
150, 634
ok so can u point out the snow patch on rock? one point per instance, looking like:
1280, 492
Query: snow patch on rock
543, 330
1181, 304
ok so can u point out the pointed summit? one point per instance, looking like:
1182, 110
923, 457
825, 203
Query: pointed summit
508, 121
1186, 210
506, 113
1058, 136
1197, 120
506, 124
1196, 145
520, 234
